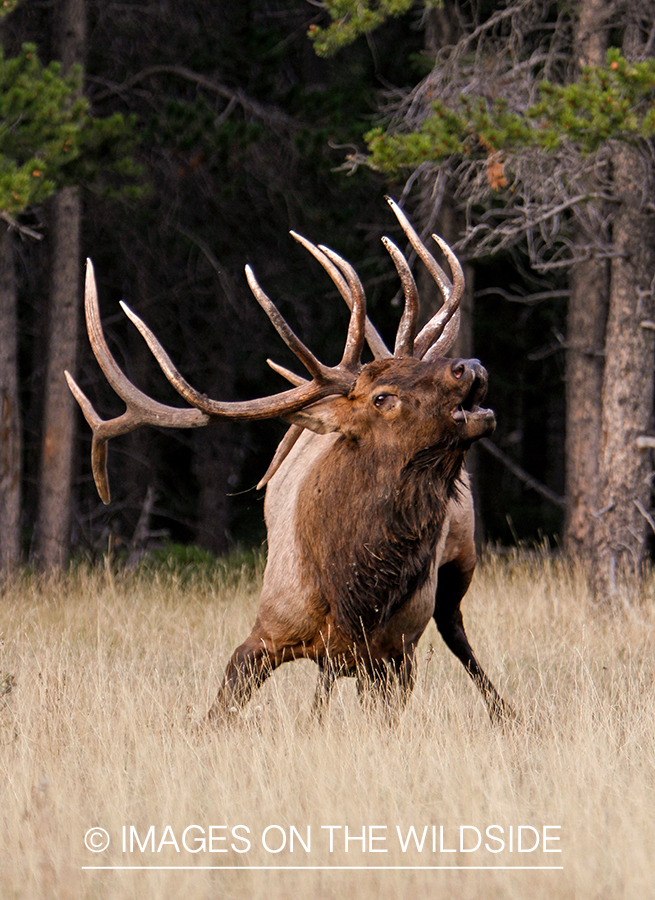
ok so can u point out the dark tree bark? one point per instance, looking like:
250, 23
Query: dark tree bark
10, 419
624, 469
59, 413
587, 315
56, 469
586, 319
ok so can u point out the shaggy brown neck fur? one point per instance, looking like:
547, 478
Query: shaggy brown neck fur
369, 533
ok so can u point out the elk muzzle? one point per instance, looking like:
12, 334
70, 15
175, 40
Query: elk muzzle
473, 421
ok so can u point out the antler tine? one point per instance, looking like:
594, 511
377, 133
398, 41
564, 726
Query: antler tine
433, 331
445, 342
455, 265
352, 353
407, 327
141, 409
290, 376
284, 448
304, 354
288, 442
328, 265
376, 345
452, 292
98, 446
428, 259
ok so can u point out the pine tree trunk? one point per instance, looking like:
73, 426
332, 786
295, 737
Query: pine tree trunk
587, 315
10, 421
59, 417
586, 321
624, 469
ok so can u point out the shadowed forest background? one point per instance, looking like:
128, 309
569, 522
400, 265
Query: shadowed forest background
224, 129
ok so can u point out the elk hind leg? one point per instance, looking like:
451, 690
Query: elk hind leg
453, 582
387, 683
328, 672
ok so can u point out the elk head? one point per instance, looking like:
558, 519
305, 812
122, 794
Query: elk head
407, 403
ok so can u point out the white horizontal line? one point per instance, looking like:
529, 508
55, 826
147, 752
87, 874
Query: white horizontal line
322, 868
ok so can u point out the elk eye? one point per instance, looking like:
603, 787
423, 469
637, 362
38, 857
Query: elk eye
378, 401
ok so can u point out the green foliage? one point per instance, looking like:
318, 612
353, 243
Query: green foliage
105, 163
7, 6
615, 101
350, 19
439, 137
41, 112
47, 137
185, 564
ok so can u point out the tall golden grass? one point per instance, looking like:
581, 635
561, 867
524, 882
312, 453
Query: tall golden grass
104, 677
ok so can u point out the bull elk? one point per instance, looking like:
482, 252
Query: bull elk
368, 508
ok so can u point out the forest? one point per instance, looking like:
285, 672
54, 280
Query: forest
174, 143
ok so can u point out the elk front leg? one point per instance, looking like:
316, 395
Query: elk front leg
452, 584
248, 668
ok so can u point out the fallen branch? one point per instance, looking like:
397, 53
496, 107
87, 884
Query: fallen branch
522, 475
270, 115
646, 515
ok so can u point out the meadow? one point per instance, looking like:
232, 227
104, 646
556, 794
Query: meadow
105, 676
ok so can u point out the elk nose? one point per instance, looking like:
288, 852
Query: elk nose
465, 369
461, 367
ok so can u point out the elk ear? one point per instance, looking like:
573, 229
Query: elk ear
323, 417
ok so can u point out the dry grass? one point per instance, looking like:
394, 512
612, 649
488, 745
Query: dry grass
111, 673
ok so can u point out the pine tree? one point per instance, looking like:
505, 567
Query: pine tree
48, 141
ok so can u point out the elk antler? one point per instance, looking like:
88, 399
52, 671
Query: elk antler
438, 335
143, 410
406, 333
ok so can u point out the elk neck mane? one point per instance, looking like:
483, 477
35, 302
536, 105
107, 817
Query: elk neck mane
364, 567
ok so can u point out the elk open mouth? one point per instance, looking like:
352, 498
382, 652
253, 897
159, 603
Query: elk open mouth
470, 405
